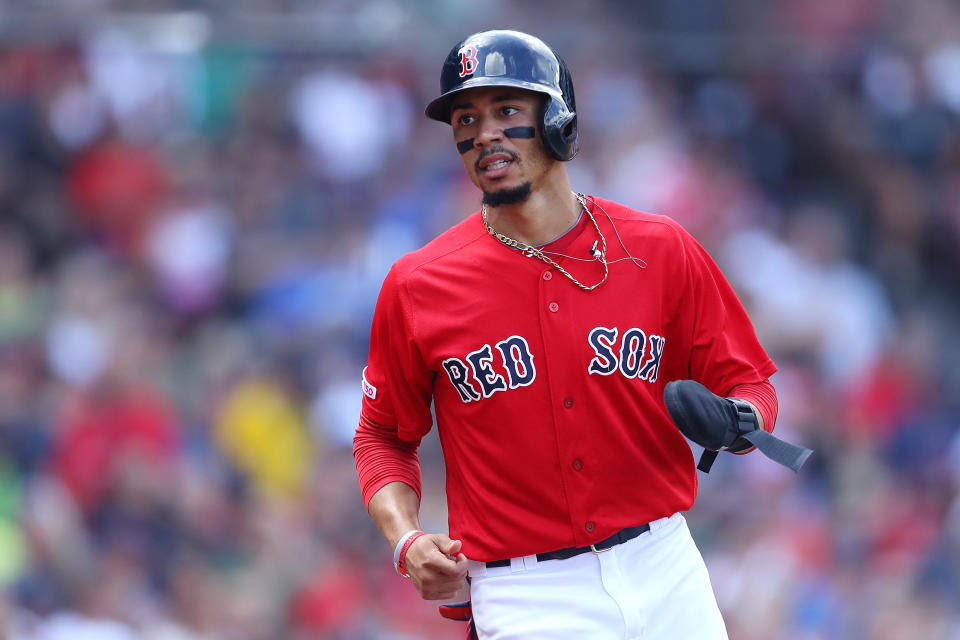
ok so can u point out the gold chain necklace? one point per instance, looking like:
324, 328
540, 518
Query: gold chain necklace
533, 252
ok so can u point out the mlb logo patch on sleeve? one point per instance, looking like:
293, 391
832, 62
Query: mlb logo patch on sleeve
368, 389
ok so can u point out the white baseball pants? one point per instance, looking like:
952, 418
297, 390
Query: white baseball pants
653, 587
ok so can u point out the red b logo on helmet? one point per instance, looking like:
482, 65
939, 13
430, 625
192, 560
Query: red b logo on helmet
468, 60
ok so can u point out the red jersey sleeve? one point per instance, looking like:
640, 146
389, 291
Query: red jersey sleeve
763, 396
382, 458
725, 350
397, 389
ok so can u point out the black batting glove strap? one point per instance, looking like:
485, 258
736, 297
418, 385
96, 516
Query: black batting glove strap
746, 423
789, 455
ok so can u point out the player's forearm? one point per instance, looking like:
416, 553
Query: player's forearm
382, 458
763, 398
395, 509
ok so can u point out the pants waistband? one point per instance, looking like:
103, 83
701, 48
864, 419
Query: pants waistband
562, 554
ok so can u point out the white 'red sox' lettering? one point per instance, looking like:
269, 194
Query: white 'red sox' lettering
474, 376
628, 356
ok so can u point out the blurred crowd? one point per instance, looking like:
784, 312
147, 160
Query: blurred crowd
194, 229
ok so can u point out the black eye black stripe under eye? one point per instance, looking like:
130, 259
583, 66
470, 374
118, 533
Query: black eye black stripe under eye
513, 132
520, 132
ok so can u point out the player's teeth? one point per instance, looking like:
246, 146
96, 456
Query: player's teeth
497, 164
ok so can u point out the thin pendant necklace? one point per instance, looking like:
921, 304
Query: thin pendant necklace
533, 252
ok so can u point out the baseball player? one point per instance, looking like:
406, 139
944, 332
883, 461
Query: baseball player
544, 330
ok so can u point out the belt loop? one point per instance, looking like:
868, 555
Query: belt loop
662, 522
516, 564
530, 562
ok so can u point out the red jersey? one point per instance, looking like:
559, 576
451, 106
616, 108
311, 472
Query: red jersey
549, 398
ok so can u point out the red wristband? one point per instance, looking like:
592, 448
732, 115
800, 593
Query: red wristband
402, 553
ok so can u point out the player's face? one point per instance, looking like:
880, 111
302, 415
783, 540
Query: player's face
496, 131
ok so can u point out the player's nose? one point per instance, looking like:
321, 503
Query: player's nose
489, 131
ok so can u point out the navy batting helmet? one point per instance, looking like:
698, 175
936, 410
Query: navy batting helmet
514, 59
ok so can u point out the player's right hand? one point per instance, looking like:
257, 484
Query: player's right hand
436, 566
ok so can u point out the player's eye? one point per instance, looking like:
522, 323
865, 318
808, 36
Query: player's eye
509, 111
465, 120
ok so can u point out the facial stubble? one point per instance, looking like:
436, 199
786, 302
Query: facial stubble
511, 195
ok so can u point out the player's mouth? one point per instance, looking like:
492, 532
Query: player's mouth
495, 164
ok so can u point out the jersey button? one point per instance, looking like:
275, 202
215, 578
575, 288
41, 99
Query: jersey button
568, 402
553, 306
589, 526
547, 275
577, 464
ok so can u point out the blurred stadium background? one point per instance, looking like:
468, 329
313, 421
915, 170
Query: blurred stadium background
198, 202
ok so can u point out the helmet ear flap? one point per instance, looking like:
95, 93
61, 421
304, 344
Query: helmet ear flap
571, 136
566, 139
559, 129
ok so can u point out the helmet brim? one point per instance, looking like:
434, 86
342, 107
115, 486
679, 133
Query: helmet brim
439, 109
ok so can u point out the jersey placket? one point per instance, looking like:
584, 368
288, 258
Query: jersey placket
564, 383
